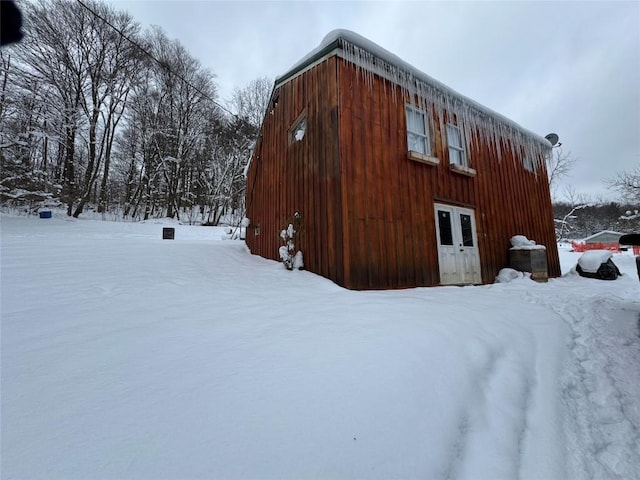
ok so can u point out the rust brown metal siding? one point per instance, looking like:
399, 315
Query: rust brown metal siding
287, 177
368, 209
388, 200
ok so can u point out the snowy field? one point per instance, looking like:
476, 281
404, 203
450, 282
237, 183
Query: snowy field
128, 357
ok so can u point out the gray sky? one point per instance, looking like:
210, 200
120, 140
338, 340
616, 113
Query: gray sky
567, 67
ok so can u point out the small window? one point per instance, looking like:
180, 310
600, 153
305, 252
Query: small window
417, 131
457, 154
296, 134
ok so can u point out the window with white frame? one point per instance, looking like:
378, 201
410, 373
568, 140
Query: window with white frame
417, 130
457, 154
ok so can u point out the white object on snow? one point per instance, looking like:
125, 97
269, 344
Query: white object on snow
506, 275
591, 260
521, 242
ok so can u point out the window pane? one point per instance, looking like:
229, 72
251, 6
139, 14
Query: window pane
411, 119
417, 130
467, 231
455, 156
416, 143
419, 123
454, 136
444, 225
415, 121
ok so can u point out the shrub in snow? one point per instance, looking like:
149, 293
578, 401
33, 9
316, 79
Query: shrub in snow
288, 254
597, 264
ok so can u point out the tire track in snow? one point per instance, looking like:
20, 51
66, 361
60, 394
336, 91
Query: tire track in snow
459, 447
598, 392
460, 444
625, 417
496, 415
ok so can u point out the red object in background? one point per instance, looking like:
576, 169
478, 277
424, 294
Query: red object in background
612, 247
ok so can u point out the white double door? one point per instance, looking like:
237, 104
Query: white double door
458, 255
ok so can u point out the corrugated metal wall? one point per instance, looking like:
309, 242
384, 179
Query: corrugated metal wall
300, 176
368, 209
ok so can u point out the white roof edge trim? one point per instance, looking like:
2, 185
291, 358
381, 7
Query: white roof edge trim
279, 83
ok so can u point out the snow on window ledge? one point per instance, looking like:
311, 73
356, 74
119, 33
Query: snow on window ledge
461, 169
422, 158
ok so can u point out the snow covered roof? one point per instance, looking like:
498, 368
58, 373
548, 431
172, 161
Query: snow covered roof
599, 234
373, 59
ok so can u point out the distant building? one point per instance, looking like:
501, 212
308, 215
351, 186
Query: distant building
605, 236
399, 180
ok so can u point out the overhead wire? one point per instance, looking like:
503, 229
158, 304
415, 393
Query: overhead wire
159, 62
248, 195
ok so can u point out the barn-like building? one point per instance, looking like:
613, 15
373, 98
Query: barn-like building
399, 181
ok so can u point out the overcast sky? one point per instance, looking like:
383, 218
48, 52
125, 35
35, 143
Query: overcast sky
572, 68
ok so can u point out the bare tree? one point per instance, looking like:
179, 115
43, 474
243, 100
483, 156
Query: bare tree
89, 117
251, 101
89, 66
112, 62
564, 225
227, 151
559, 164
628, 184
168, 117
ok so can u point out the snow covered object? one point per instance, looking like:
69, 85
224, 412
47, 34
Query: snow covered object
521, 242
527, 256
507, 275
597, 264
402, 181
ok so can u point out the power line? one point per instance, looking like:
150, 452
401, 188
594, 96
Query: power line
159, 62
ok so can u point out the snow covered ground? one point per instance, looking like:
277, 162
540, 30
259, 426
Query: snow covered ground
126, 356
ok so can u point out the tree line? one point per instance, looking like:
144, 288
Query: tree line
576, 220
96, 113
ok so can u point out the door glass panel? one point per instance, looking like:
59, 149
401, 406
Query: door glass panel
444, 225
467, 231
